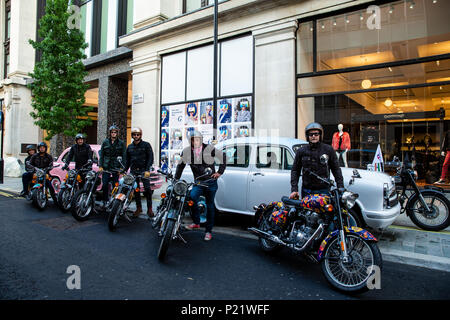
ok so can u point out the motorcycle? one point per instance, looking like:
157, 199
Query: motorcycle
39, 191
83, 203
164, 203
316, 227
177, 203
427, 208
122, 197
70, 187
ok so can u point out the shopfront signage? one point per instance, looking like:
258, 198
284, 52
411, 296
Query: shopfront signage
398, 116
138, 98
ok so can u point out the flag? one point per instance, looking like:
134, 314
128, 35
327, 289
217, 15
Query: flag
378, 163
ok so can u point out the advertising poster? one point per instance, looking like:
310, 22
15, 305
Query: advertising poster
234, 119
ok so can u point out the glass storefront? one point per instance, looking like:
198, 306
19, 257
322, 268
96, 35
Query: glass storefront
387, 86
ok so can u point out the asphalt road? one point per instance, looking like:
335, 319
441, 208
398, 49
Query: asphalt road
38, 247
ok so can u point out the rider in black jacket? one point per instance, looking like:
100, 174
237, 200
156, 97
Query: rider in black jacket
28, 174
307, 158
139, 159
43, 160
80, 152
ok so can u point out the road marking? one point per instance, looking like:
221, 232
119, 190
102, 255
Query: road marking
414, 229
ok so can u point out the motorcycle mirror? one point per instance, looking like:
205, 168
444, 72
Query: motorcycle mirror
119, 158
208, 171
55, 158
324, 159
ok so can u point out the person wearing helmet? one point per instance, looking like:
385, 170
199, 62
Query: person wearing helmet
201, 156
27, 176
139, 159
43, 160
112, 148
307, 159
80, 152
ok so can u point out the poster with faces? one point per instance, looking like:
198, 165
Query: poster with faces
234, 119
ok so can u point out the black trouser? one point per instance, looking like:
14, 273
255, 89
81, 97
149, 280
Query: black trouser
26, 180
148, 192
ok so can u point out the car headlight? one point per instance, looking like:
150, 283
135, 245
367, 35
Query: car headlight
180, 188
128, 179
349, 199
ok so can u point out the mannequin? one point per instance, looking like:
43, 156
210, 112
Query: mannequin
341, 143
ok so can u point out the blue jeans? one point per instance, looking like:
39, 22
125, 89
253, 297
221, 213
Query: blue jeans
106, 178
209, 194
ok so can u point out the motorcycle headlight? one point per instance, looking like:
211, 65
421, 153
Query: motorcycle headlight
349, 199
180, 188
90, 175
128, 179
72, 174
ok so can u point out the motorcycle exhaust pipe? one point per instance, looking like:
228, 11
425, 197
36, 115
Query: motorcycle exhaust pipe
308, 242
267, 236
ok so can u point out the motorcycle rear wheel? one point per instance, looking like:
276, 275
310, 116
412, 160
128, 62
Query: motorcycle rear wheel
165, 242
113, 218
354, 276
267, 245
440, 216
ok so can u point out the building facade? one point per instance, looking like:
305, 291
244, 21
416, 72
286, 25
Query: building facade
378, 68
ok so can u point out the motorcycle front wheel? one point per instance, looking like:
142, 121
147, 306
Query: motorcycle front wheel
353, 275
39, 198
113, 218
80, 207
436, 220
64, 199
165, 242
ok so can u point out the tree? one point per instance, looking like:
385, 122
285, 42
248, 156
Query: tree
58, 86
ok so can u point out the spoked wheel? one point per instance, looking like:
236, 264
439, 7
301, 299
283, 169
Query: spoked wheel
353, 275
39, 198
438, 218
267, 245
165, 242
64, 200
80, 207
114, 215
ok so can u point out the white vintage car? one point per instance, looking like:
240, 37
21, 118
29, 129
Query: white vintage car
259, 169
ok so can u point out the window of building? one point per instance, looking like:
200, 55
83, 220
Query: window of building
393, 91
192, 5
187, 95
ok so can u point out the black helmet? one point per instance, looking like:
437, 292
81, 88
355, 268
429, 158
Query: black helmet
42, 144
79, 136
31, 147
315, 126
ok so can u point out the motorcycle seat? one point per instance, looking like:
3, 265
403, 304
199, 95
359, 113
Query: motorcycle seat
291, 202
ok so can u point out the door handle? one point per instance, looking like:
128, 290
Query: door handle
258, 174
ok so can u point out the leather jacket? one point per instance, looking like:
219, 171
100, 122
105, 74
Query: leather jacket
308, 157
139, 157
80, 154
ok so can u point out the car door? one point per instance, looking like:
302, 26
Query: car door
269, 179
232, 193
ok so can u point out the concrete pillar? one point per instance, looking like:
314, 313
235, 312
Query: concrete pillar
275, 78
112, 106
146, 111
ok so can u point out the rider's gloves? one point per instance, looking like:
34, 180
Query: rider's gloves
147, 174
100, 169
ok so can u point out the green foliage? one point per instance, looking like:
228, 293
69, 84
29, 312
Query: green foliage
58, 88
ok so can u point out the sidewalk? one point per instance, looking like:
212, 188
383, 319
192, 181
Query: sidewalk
402, 242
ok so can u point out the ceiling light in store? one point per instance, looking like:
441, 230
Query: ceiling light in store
434, 1
334, 22
411, 5
438, 63
361, 17
323, 25
347, 20
391, 9
390, 69
388, 102
366, 84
